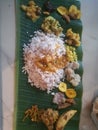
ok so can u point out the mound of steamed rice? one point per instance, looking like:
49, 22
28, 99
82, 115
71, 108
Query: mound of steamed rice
40, 43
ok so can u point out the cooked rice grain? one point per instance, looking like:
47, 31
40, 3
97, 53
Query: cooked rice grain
41, 45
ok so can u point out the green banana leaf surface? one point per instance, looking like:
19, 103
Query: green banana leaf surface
25, 95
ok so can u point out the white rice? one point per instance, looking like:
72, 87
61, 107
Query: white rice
41, 42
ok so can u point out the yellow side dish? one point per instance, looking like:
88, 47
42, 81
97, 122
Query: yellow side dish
72, 38
51, 25
71, 54
32, 10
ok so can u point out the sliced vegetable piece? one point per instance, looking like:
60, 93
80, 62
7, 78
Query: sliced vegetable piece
66, 17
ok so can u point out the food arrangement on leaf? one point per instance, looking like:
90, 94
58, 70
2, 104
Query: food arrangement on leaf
51, 63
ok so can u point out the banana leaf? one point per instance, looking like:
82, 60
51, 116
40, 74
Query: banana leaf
25, 95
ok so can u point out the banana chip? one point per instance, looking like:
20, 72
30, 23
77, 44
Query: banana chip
70, 93
62, 10
74, 12
62, 87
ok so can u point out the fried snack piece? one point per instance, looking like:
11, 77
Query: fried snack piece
64, 118
49, 117
32, 113
68, 102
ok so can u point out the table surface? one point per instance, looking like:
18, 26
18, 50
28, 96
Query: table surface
7, 62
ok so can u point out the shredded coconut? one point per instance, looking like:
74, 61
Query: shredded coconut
41, 45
